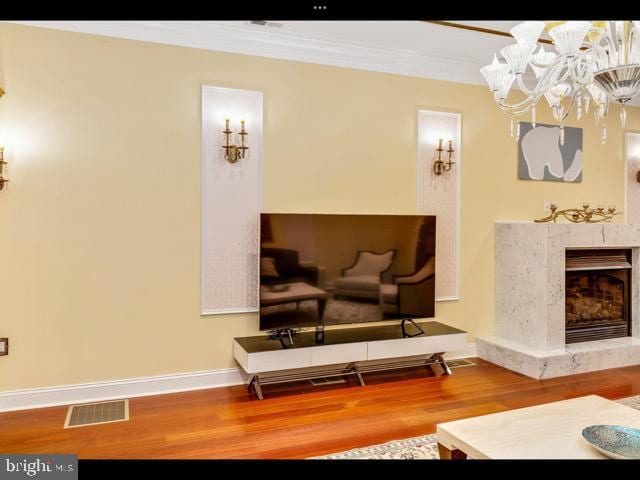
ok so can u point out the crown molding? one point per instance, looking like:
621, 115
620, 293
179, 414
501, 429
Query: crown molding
263, 42
272, 43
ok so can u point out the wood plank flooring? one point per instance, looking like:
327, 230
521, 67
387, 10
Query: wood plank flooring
300, 420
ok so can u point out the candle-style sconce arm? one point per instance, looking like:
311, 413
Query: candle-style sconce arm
580, 215
3, 181
233, 153
439, 165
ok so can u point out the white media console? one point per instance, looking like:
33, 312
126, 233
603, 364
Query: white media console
348, 351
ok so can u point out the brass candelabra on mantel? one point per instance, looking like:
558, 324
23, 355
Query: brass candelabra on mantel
585, 214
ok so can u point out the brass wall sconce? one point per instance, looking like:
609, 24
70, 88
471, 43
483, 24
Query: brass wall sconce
439, 165
3, 180
584, 215
233, 153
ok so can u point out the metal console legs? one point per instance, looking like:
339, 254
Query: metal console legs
354, 368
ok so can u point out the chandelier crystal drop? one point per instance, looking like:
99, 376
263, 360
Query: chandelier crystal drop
594, 64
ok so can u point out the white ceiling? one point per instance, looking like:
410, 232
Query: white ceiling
403, 47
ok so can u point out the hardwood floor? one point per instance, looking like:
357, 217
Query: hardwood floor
300, 420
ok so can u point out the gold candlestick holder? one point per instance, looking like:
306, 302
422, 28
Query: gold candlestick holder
233, 153
439, 165
586, 214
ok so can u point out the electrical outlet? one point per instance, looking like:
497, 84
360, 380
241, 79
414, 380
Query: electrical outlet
4, 346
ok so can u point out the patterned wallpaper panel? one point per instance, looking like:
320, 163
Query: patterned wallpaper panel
231, 201
632, 208
440, 195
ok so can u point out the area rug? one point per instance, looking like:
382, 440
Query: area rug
424, 447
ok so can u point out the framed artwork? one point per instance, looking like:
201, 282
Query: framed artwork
542, 157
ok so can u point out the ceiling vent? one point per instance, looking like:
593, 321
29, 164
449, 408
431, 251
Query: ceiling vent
264, 23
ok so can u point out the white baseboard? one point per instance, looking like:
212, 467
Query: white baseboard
138, 387
134, 387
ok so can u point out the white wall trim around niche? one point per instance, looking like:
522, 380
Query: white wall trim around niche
137, 387
427, 195
229, 263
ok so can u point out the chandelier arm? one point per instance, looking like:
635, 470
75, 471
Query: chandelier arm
593, 51
523, 87
590, 66
511, 112
610, 48
550, 75
564, 77
522, 107
609, 43
568, 109
572, 67
516, 111
582, 70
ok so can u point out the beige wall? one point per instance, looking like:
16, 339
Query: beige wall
100, 226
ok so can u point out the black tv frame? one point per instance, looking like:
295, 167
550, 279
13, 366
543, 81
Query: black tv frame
286, 334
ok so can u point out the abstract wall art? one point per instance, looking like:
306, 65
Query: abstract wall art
541, 156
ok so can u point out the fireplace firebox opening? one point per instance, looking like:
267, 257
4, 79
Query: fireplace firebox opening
597, 294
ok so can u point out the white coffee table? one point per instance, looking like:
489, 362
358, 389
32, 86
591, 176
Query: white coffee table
551, 430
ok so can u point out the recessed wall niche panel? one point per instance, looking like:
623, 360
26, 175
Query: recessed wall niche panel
440, 195
231, 202
632, 150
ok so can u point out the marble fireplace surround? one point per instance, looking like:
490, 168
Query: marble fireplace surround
529, 299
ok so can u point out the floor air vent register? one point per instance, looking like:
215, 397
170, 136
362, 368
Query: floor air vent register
97, 413
460, 362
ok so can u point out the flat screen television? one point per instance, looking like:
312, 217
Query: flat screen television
328, 269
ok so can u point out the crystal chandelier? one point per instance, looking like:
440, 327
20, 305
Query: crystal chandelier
594, 64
